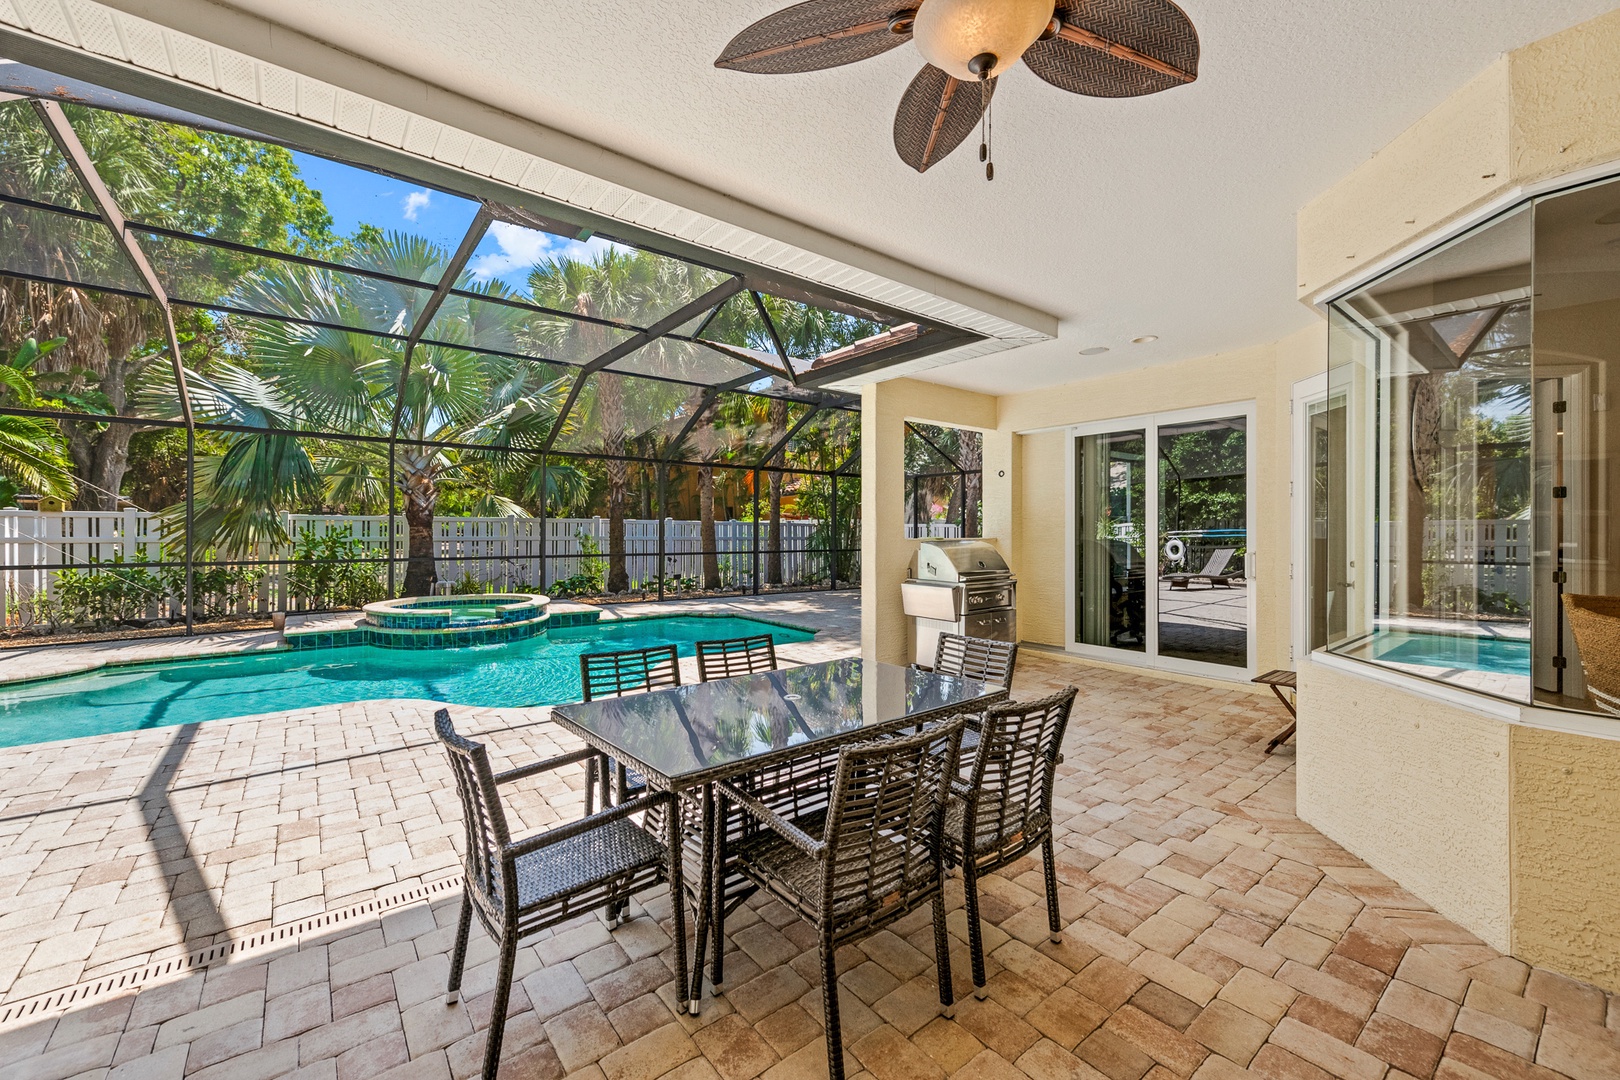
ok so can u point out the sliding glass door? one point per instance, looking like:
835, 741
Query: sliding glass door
1162, 564
1111, 570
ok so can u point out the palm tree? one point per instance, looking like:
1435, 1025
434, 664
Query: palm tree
311, 378
721, 435
31, 451
806, 332
635, 288
708, 441
158, 173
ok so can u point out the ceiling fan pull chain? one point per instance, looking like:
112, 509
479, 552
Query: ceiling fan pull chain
984, 150
990, 138
986, 125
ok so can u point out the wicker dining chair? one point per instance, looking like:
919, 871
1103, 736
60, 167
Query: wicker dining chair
614, 674
1003, 810
976, 658
735, 656
1595, 622
872, 856
519, 887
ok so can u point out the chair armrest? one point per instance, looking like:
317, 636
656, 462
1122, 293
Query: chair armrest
559, 833
788, 831
543, 766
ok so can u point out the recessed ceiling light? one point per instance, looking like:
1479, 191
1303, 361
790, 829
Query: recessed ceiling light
1095, 350
1144, 339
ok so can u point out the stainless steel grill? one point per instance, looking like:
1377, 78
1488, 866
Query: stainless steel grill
959, 587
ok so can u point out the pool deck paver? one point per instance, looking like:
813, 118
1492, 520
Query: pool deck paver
1208, 932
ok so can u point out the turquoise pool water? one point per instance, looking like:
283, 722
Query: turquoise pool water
1502, 656
538, 671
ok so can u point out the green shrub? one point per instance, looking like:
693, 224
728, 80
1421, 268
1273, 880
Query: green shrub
469, 585
592, 574
216, 591
109, 591
334, 571
577, 585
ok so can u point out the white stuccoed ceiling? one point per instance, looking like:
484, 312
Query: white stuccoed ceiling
1170, 215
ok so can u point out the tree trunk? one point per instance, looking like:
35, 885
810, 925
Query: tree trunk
773, 565
102, 331
1423, 466
971, 458
101, 454
778, 412
421, 568
100, 459
706, 536
610, 413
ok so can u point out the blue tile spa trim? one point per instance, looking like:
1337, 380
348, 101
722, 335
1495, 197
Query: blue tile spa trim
432, 631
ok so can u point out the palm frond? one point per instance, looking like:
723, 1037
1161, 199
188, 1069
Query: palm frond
32, 456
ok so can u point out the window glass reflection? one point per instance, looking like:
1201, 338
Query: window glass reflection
1431, 569
1111, 553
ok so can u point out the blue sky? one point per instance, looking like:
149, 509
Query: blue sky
357, 197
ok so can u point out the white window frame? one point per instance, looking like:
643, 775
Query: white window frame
1307, 392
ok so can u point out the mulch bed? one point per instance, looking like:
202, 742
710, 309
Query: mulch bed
26, 639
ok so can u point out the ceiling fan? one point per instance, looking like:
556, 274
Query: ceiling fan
1100, 48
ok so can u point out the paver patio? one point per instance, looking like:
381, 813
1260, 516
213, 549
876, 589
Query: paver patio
1209, 932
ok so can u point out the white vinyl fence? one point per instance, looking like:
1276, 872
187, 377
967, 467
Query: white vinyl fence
501, 552
1489, 557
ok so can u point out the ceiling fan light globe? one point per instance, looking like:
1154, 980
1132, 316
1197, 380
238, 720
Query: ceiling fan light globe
951, 33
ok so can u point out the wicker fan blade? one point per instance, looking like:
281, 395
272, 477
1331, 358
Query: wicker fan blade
815, 35
936, 113
1117, 48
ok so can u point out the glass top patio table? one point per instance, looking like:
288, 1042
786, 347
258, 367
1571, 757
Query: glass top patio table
691, 735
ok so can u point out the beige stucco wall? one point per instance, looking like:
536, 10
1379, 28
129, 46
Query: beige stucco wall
1565, 799
1546, 110
1414, 786
885, 552
1507, 827
1565, 101
1042, 537
1448, 163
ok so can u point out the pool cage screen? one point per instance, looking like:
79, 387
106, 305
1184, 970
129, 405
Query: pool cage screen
944, 482
218, 401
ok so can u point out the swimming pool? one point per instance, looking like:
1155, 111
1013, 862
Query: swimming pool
538, 671
1500, 656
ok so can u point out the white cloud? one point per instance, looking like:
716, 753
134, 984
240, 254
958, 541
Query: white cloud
520, 249
415, 203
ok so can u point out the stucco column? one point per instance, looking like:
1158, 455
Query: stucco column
885, 551
1000, 493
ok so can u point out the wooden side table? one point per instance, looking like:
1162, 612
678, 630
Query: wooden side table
1280, 680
